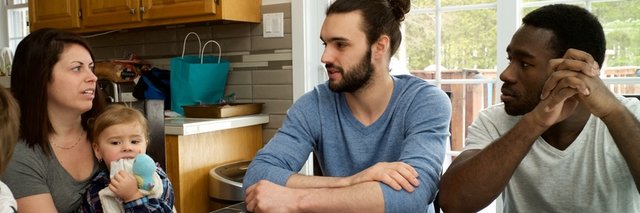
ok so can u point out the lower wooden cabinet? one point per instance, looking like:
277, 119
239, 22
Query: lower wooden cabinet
189, 158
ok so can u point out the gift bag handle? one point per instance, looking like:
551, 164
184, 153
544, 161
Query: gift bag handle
184, 44
205, 45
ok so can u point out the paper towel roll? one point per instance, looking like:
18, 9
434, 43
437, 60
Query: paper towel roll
6, 57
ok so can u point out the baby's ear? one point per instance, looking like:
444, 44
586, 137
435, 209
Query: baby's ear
96, 151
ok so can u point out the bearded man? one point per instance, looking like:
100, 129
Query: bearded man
379, 139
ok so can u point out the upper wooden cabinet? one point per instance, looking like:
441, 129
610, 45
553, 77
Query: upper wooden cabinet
63, 14
99, 15
160, 9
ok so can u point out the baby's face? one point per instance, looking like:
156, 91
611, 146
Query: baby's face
120, 141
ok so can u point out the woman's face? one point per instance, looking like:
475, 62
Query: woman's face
72, 86
120, 141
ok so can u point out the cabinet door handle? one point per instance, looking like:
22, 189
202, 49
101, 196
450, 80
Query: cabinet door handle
141, 9
132, 11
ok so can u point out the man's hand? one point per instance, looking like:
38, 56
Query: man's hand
124, 185
397, 175
577, 74
266, 196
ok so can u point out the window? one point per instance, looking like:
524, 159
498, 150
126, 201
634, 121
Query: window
17, 22
456, 49
460, 45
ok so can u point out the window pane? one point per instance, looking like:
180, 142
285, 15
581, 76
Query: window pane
621, 23
423, 4
419, 40
465, 2
467, 100
624, 71
469, 39
432, 3
527, 10
15, 2
18, 29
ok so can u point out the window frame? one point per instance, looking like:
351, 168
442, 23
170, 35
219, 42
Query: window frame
505, 27
509, 11
5, 29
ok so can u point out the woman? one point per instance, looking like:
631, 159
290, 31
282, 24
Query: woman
53, 81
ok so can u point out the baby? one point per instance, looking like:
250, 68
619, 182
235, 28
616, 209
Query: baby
9, 132
120, 136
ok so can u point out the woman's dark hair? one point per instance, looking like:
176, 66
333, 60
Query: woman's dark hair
30, 75
572, 26
381, 17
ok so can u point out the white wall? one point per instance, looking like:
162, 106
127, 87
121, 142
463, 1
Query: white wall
4, 32
306, 19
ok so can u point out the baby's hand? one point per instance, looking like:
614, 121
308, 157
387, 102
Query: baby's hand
124, 185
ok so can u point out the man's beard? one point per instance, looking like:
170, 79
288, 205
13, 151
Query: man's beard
523, 104
356, 78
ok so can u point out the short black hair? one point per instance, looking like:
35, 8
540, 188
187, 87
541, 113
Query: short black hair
572, 27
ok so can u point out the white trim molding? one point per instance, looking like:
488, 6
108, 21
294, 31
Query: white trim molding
270, 2
306, 19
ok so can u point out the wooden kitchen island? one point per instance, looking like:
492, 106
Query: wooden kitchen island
193, 146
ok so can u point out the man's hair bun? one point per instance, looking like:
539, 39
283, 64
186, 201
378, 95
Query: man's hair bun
400, 8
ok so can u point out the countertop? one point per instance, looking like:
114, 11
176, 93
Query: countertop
235, 208
190, 126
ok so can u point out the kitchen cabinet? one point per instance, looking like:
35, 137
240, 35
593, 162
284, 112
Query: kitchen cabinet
112, 12
194, 146
64, 14
99, 15
160, 9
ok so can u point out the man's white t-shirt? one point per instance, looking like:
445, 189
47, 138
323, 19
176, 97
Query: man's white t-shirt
589, 176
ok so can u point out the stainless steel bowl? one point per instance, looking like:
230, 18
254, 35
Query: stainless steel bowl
225, 182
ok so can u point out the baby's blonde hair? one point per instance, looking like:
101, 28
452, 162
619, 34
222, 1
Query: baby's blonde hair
9, 126
118, 114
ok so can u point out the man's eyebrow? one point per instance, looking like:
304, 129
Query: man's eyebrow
335, 39
519, 53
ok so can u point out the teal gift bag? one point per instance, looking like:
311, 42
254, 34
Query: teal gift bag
197, 79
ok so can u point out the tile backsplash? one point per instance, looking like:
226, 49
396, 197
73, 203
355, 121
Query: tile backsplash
261, 68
